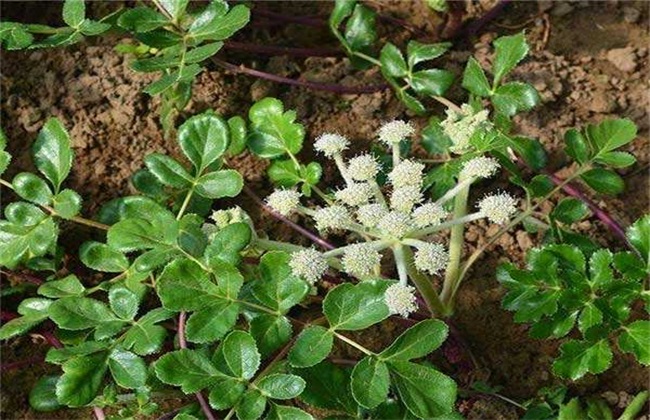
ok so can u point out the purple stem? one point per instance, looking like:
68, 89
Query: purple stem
328, 87
182, 342
312, 236
20, 363
601, 214
274, 50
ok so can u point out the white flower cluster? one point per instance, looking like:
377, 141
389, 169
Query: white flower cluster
223, 218
355, 194
284, 201
308, 264
363, 168
331, 144
498, 208
332, 217
400, 299
479, 167
395, 131
359, 260
431, 258
461, 126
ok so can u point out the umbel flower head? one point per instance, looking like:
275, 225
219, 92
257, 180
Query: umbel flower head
395, 131
403, 199
498, 208
407, 172
431, 258
363, 168
355, 194
400, 299
479, 167
331, 144
461, 126
369, 215
308, 264
429, 214
360, 259
395, 224
332, 217
284, 201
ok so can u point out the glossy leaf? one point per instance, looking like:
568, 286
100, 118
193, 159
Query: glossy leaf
370, 382
189, 369
240, 354
203, 139
356, 307
129, 370
67, 286
81, 379
570, 210
74, 12
418, 341
168, 171
42, 397
635, 339
32, 188
52, 152
67, 204
581, 357
392, 61
274, 131
312, 346
102, 257
474, 79
509, 51
270, 332
219, 184
426, 392
514, 97
281, 386
604, 181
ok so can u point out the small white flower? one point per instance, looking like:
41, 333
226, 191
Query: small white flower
395, 224
355, 194
498, 208
480, 167
407, 172
360, 259
461, 126
429, 214
395, 131
223, 218
401, 299
403, 199
308, 264
284, 201
332, 217
369, 215
363, 167
331, 144
431, 258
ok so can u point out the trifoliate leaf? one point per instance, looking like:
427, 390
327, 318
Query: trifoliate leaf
274, 132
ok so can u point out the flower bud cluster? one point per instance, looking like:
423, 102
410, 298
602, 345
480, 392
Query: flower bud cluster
461, 125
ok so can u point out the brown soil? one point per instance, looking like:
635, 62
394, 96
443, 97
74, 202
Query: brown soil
588, 62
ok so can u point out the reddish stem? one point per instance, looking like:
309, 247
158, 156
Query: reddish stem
275, 50
182, 342
328, 87
15, 365
312, 236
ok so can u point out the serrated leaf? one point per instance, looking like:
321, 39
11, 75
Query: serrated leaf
144, 337
576, 146
67, 204
15, 36
139, 234
185, 286
278, 288
283, 412
280, 386
284, 173
32, 188
20, 325
273, 131
418, 52
370, 382
433, 82
123, 302
203, 139
219, 184
189, 369
19, 243
418, 341
392, 61
589, 317
212, 322
426, 392
129, 370
360, 31
240, 354
52, 152
474, 79
635, 339
79, 313
141, 19
74, 12
42, 397
175, 8
604, 181
61, 355
328, 388
581, 357
67, 286
514, 97
81, 379
611, 134
216, 26
509, 51
251, 406
168, 171
616, 159
227, 244
570, 210
312, 346
639, 236
225, 393
356, 307
270, 332
102, 257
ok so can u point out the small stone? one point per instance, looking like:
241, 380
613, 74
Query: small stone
561, 9
610, 397
601, 103
631, 15
623, 58
523, 240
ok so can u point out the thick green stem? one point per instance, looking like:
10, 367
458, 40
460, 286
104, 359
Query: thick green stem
452, 274
423, 284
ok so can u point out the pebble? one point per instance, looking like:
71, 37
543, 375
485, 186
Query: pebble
631, 15
623, 58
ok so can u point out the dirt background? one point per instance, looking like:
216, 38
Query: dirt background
589, 60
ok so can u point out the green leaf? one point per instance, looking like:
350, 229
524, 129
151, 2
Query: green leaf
589, 317
278, 289
24, 214
81, 379
168, 171
418, 341
342, 9
635, 339
576, 146
52, 152
370, 382
356, 307
79, 313
283, 412
74, 12
67, 204
144, 337
175, 8
238, 133
212, 322
251, 406
392, 61
328, 388
226, 393
611, 134
32, 188
270, 332
604, 181
570, 210
312, 346
433, 82
102, 257
185, 286
360, 31
91, 28
123, 302
141, 19
240, 354
20, 325
215, 26
42, 397
509, 51
228, 243
281, 386
67, 286
284, 173
138, 234
418, 52
274, 131
571, 411
426, 392
219, 184
474, 79
580, 357
514, 97
203, 139
18, 243
639, 236
15, 36
531, 150
129, 371
189, 369
616, 159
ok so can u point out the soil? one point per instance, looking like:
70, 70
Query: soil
588, 60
